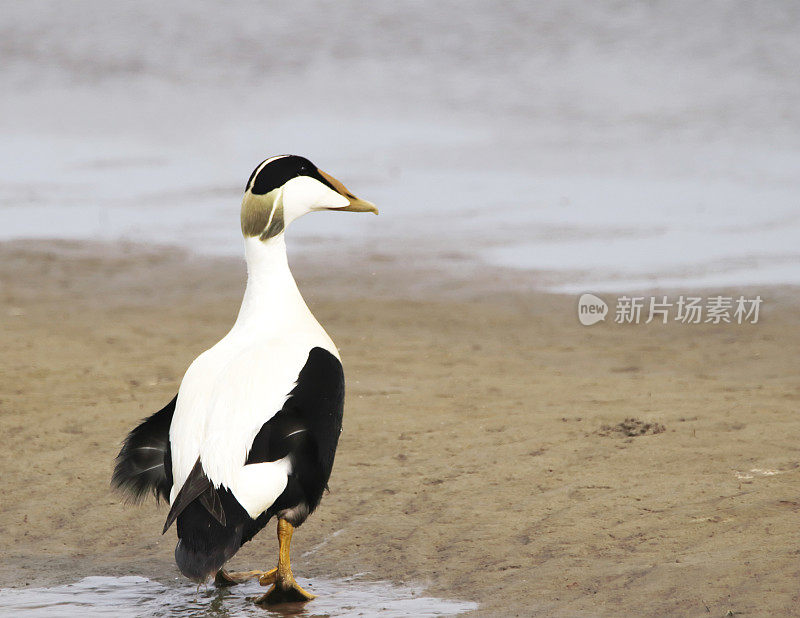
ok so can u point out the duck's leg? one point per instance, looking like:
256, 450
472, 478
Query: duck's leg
284, 587
231, 578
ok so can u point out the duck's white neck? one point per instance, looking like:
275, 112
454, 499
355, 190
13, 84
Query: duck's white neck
271, 298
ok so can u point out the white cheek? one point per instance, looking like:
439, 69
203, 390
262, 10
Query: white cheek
333, 199
304, 194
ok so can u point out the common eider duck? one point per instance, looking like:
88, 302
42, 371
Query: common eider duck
253, 430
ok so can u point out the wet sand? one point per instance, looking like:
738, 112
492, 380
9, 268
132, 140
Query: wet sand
473, 459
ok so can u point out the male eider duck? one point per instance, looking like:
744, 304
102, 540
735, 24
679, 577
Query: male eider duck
253, 430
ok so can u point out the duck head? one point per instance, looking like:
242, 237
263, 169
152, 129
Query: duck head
284, 188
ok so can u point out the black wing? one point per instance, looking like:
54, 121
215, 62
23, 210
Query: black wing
144, 463
307, 428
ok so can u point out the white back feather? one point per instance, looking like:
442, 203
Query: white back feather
233, 388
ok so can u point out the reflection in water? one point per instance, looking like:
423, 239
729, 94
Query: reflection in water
137, 596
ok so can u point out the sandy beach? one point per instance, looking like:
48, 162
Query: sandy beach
494, 450
479, 456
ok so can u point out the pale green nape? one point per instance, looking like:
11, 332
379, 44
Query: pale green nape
262, 215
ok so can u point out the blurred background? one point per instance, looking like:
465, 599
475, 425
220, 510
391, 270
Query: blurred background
594, 145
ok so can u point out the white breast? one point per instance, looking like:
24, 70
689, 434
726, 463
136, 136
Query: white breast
232, 389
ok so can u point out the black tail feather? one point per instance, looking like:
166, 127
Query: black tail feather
144, 464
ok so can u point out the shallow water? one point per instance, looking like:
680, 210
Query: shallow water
137, 596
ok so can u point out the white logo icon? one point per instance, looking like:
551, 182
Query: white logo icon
591, 309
